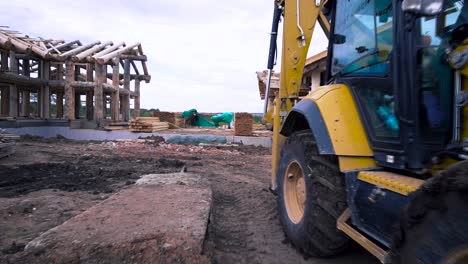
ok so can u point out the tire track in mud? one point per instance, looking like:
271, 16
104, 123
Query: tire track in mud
244, 225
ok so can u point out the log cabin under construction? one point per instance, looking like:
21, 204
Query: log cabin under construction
47, 72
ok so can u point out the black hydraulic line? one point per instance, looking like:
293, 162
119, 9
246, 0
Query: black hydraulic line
274, 35
273, 49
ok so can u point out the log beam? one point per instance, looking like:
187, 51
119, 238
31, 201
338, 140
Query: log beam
4, 61
115, 102
26, 95
143, 63
13, 100
98, 92
107, 50
45, 90
69, 91
12, 78
135, 68
77, 105
60, 71
77, 50
145, 78
24, 46
89, 94
59, 104
126, 86
137, 98
87, 53
107, 88
134, 57
103, 59
5, 100
64, 45
104, 104
4, 108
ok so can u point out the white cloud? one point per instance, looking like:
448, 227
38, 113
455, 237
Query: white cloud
201, 54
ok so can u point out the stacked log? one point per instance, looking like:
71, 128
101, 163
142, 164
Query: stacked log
180, 121
8, 138
243, 124
115, 126
175, 120
148, 125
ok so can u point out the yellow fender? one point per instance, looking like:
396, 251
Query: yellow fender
331, 113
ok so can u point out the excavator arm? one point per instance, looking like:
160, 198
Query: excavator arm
299, 20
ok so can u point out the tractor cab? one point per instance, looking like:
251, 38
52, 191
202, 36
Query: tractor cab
394, 56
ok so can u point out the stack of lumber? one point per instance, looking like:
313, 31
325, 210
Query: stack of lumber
7, 144
243, 124
259, 127
116, 126
175, 120
148, 125
8, 137
180, 121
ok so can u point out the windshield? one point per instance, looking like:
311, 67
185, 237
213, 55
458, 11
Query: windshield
363, 37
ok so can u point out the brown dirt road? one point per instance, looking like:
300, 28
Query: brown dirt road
50, 181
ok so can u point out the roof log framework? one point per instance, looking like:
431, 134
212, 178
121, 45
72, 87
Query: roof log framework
44, 72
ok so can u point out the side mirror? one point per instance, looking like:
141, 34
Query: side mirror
423, 7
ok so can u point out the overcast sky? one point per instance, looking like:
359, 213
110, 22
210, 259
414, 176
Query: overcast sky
201, 54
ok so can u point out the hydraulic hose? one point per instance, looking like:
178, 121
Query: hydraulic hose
272, 52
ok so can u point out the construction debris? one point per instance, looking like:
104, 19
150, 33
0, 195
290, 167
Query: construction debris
148, 125
243, 124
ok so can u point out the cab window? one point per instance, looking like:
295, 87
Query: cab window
363, 38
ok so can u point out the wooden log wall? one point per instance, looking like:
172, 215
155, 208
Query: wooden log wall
27, 74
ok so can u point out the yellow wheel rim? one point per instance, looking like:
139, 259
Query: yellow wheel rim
459, 256
294, 191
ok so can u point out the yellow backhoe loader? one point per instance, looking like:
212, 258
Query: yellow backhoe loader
378, 155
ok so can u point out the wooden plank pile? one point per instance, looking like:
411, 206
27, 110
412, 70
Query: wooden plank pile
179, 120
175, 120
259, 127
116, 126
243, 124
8, 137
148, 125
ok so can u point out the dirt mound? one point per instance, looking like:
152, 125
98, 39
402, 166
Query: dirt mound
253, 150
25, 217
153, 140
95, 175
244, 226
163, 219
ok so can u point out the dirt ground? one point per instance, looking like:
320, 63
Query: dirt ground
49, 181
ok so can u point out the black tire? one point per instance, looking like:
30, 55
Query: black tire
434, 226
316, 233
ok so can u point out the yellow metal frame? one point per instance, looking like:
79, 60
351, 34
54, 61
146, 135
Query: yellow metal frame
292, 64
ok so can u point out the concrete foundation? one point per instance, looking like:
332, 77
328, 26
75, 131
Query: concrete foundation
91, 134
